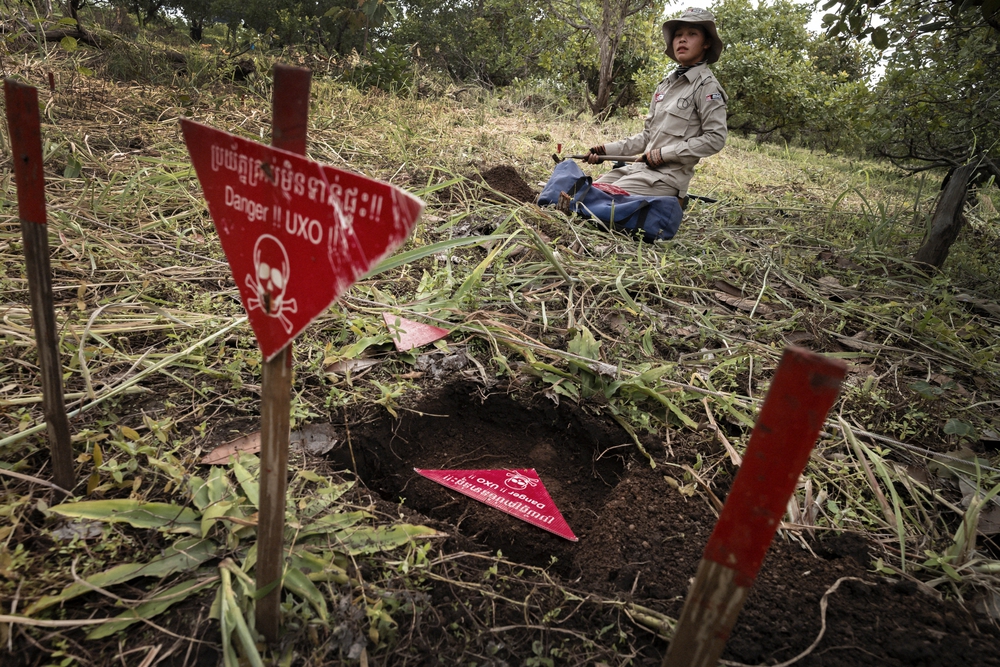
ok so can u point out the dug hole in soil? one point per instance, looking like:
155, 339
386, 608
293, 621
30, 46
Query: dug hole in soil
640, 539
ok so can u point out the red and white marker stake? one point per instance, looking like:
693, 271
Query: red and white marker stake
26, 144
519, 493
804, 388
297, 235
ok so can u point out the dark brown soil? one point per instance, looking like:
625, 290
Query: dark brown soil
641, 540
505, 179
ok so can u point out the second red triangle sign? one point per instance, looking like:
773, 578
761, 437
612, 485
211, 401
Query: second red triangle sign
519, 493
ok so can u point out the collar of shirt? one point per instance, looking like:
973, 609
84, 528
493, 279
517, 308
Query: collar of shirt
689, 72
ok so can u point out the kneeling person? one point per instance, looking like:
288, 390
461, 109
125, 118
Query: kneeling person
686, 119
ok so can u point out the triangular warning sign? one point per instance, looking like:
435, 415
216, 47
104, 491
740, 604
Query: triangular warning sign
297, 233
519, 493
407, 334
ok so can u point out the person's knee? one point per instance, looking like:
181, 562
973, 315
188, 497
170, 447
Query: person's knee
647, 190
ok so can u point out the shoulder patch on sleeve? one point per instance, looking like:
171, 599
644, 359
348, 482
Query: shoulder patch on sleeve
714, 96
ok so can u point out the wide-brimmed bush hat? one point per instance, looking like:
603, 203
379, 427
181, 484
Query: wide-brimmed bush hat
694, 16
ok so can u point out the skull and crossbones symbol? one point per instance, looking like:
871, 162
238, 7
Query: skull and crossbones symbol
270, 280
519, 481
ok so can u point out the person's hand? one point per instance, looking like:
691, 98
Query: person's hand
595, 154
653, 158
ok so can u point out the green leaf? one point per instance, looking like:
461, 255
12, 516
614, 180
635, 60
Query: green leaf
334, 491
737, 414
354, 350
67, 20
647, 342
670, 405
212, 514
73, 168
383, 538
959, 427
69, 43
423, 192
166, 516
541, 369
653, 374
629, 301
926, 389
880, 38
567, 388
212, 490
249, 485
218, 485
298, 583
476, 276
544, 248
409, 256
856, 21
153, 607
333, 522
950, 571
585, 345
184, 555
85, 71
310, 476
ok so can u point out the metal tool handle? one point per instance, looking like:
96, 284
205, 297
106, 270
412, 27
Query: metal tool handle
613, 158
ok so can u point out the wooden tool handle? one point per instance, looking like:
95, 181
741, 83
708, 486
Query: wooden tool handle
605, 158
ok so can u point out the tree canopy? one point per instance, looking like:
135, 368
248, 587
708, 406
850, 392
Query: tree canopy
938, 105
784, 82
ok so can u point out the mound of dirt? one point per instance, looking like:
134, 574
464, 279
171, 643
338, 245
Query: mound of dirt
505, 179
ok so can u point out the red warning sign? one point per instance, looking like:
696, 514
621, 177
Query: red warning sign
297, 233
407, 334
519, 493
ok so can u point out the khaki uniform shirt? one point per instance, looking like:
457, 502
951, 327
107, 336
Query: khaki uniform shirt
686, 121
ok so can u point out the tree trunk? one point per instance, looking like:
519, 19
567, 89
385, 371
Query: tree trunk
607, 48
948, 219
608, 38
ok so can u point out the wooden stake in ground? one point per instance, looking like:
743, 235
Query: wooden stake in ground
289, 123
802, 392
297, 235
26, 145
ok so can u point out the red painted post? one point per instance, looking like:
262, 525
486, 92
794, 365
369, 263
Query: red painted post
804, 388
297, 234
26, 145
289, 123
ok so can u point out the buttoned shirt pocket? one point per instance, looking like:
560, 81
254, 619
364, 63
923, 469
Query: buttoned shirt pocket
678, 118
